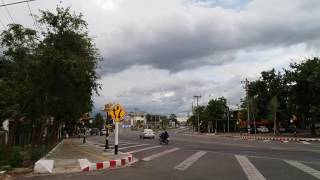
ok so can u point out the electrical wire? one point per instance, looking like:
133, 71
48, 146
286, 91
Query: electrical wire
4, 27
33, 18
3, 3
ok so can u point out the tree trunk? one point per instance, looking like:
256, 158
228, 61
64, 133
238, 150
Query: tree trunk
313, 126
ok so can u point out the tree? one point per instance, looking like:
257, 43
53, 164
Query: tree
173, 118
215, 110
99, 121
48, 78
304, 82
274, 104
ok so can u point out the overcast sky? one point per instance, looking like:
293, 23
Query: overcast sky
158, 54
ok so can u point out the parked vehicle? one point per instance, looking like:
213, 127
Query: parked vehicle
103, 132
262, 129
147, 133
94, 131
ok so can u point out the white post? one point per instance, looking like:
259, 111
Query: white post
116, 138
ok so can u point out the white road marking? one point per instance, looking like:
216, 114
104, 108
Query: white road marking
249, 169
285, 141
266, 140
190, 160
144, 149
304, 168
132, 146
149, 158
305, 142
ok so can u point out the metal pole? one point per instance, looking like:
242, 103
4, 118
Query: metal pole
248, 120
198, 115
228, 120
107, 133
116, 138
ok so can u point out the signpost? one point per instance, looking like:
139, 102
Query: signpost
106, 109
117, 113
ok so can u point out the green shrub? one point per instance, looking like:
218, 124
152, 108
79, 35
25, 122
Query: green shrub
37, 153
15, 160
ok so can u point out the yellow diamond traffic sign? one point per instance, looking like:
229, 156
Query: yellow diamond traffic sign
117, 112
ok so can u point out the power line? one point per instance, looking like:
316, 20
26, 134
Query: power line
15, 3
3, 4
2, 24
33, 18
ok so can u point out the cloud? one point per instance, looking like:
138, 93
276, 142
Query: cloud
159, 54
198, 36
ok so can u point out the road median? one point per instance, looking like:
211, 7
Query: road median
71, 155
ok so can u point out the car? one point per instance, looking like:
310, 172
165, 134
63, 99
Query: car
262, 129
103, 132
147, 133
94, 131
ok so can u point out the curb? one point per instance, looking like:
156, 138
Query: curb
280, 138
85, 165
44, 165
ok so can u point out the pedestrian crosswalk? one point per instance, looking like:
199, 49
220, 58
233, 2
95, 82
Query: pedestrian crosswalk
182, 160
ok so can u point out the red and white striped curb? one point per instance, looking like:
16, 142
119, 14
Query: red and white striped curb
85, 165
280, 138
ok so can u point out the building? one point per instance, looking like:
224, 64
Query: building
137, 117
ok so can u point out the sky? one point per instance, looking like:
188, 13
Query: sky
158, 54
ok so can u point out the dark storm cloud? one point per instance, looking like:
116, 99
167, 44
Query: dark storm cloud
181, 41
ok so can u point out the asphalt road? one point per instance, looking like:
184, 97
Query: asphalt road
207, 157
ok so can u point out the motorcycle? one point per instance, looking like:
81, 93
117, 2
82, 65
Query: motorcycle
164, 141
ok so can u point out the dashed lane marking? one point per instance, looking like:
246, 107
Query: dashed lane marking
149, 158
144, 149
305, 142
127, 147
249, 169
305, 168
190, 160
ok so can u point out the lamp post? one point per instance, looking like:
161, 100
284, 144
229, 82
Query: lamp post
197, 97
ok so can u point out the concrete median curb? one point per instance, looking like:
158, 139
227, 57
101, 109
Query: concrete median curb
111, 164
280, 138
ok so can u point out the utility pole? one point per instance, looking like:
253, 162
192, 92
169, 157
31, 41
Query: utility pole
246, 82
228, 115
197, 97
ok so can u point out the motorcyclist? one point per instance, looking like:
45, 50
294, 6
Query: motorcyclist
164, 135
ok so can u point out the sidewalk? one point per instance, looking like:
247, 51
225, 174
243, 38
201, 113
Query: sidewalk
71, 155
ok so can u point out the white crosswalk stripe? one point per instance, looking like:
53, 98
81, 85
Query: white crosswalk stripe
127, 147
190, 160
305, 142
144, 149
149, 158
249, 169
304, 168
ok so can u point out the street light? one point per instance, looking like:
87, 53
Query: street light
197, 97
246, 82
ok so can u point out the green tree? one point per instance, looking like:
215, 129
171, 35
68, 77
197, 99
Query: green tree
215, 110
52, 76
99, 121
173, 118
304, 81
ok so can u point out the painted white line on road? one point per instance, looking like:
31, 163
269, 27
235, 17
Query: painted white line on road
304, 168
149, 158
305, 142
190, 160
144, 149
132, 146
249, 169
266, 140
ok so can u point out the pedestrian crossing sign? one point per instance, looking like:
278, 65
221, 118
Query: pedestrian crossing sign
117, 112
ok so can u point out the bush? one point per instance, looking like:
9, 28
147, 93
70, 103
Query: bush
37, 153
15, 160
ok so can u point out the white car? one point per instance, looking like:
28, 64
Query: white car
262, 129
147, 133
103, 132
